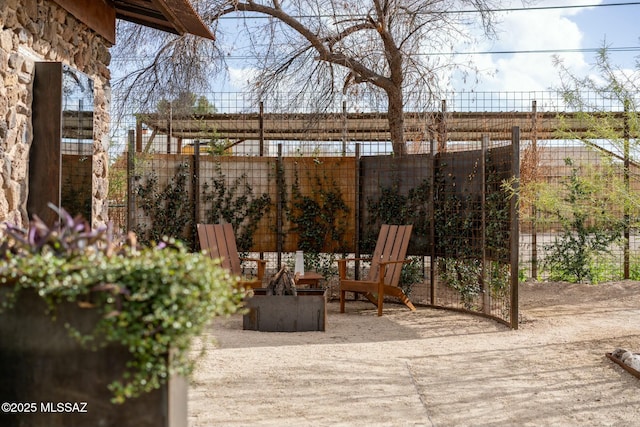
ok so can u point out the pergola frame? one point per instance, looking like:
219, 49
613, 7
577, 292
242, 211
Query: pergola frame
354, 127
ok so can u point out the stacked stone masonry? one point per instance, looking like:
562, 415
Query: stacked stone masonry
40, 30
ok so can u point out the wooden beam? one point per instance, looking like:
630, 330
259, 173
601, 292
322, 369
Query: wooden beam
174, 16
181, 14
98, 15
371, 126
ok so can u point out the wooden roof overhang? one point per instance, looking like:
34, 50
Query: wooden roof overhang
461, 126
174, 16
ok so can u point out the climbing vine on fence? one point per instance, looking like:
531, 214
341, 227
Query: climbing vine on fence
457, 220
235, 202
319, 216
460, 245
393, 207
169, 209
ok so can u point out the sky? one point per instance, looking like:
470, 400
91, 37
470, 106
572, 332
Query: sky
556, 29
534, 30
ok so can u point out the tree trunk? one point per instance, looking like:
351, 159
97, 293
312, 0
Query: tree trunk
395, 116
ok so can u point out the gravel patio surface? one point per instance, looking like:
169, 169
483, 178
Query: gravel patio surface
431, 367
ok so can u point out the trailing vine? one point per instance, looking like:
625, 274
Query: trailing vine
497, 217
319, 218
153, 301
169, 210
458, 218
462, 275
77, 197
235, 203
392, 207
456, 225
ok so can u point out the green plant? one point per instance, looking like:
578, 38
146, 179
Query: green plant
236, 204
463, 276
457, 221
456, 217
523, 274
322, 263
168, 210
634, 267
498, 279
605, 268
587, 230
319, 218
464, 265
153, 300
77, 196
411, 274
392, 207
497, 215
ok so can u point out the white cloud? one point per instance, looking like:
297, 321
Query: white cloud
533, 30
239, 78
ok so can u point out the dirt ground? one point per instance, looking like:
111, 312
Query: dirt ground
431, 367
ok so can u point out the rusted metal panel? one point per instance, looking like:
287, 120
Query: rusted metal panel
304, 312
385, 175
317, 178
40, 361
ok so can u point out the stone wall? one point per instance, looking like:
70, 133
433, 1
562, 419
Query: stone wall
40, 30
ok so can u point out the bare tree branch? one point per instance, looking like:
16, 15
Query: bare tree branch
331, 47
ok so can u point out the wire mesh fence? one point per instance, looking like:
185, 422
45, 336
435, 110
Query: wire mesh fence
290, 178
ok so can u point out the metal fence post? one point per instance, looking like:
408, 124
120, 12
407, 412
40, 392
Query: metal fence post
358, 216
534, 210
432, 229
131, 200
261, 125
627, 219
280, 184
515, 237
196, 188
483, 225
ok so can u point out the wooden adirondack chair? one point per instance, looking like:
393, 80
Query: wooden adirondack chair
219, 241
384, 274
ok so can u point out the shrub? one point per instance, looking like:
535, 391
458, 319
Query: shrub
154, 300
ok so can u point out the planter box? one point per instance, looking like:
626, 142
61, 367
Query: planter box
304, 312
41, 364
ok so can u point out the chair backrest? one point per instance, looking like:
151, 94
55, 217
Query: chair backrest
392, 245
220, 242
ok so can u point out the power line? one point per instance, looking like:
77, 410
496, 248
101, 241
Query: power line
510, 9
487, 52
534, 51
520, 9
503, 52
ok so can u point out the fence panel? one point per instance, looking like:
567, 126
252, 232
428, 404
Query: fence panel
277, 161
